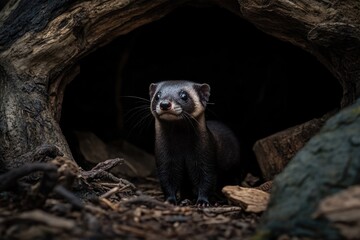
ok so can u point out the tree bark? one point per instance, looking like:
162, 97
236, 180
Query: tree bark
40, 44
328, 29
42, 41
274, 152
327, 164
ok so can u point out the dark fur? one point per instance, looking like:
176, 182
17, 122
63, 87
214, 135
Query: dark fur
190, 160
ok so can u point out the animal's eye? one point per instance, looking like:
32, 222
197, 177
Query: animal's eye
183, 95
157, 96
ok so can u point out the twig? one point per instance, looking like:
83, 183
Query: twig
122, 182
100, 170
218, 210
147, 201
9, 180
108, 203
135, 231
114, 190
96, 209
46, 218
69, 196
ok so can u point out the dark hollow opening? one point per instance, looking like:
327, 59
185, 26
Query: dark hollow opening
260, 85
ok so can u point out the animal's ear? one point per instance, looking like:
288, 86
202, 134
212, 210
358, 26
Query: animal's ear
204, 92
152, 89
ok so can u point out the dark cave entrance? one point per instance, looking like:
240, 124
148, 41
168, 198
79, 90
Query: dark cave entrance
260, 85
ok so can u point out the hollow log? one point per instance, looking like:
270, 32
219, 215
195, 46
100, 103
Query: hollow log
39, 51
41, 43
328, 29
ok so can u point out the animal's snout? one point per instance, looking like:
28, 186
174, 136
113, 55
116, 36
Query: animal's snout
165, 105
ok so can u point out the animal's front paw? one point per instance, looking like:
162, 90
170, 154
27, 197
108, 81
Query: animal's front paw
202, 202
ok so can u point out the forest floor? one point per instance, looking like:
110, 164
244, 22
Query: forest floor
99, 209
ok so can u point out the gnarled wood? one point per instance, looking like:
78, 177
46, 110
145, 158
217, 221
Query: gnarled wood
39, 46
41, 42
329, 29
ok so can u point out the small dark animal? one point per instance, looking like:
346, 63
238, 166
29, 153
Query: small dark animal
193, 156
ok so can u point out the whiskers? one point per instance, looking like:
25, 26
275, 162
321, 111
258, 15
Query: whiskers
138, 116
136, 97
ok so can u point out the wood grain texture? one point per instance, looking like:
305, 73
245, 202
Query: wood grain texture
40, 44
274, 152
343, 211
328, 29
249, 199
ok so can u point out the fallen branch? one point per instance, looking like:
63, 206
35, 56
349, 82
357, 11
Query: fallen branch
147, 201
100, 171
9, 180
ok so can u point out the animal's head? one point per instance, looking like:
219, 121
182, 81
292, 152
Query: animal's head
177, 99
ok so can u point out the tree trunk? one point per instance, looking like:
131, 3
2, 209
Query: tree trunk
40, 44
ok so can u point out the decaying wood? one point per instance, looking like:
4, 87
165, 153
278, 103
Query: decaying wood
101, 170
9, 180
122, 214
136, 163
57, 90
330, 30
266, 186
37, 57
274, 152
327, 164
39, 52
343, 211
250, 199
46, 219
43, 153
146, 201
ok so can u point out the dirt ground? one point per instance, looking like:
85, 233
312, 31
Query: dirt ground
101, 207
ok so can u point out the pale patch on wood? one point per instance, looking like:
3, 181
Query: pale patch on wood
250, 199
71, 34
343, 210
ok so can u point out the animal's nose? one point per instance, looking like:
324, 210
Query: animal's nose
165, 105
